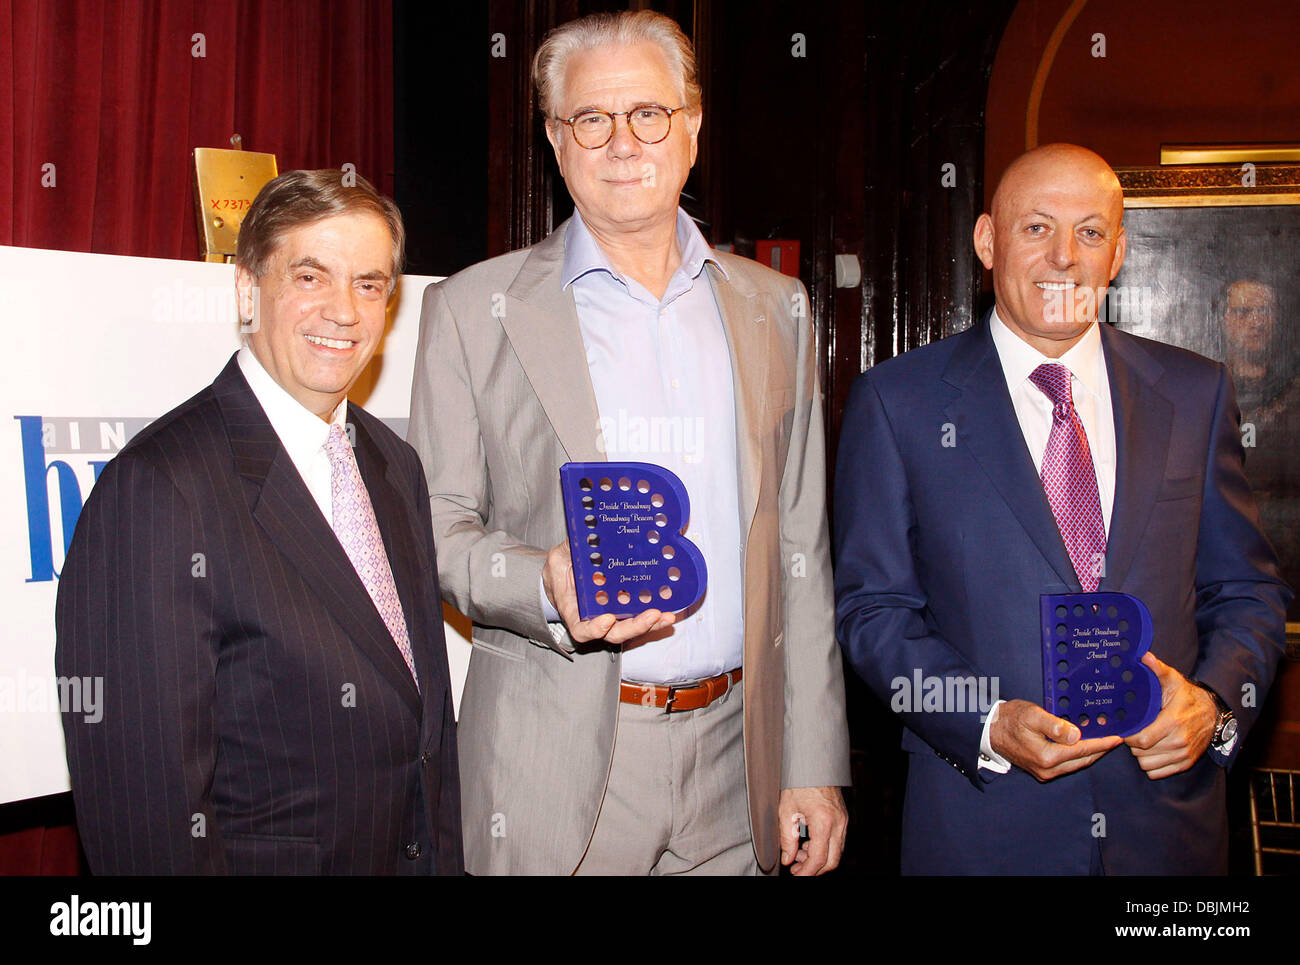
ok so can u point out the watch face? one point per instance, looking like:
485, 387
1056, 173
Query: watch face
1229, 731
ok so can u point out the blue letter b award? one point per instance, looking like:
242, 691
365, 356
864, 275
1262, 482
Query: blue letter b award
625, 522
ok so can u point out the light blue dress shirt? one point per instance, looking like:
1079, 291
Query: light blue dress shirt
661, 371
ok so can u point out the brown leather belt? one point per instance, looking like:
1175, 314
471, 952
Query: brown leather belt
678, 697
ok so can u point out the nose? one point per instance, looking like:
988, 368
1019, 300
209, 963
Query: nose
624, 143
1064, 250
341, 306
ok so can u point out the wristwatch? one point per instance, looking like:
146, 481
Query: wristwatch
1225, 726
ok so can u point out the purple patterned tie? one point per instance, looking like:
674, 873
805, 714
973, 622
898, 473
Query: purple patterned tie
1070, 480
356, 529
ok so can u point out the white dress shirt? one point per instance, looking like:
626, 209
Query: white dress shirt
661, 372
302, 433
1090, 387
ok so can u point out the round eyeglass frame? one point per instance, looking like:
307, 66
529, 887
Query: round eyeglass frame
613, 124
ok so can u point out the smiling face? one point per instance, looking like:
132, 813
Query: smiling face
321, 305
1054, 242
625, 185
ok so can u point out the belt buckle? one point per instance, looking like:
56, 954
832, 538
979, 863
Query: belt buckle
684, 685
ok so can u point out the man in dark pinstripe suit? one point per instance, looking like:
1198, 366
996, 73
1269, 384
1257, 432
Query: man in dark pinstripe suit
260, 597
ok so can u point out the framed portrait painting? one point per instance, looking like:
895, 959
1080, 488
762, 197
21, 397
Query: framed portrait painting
1213, 265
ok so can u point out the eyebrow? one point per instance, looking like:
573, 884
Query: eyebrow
1095, 216
307, 261
594, 107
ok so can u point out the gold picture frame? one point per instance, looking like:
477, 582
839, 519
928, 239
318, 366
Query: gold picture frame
1197, 185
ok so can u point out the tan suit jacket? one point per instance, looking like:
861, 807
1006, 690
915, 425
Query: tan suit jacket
502, 398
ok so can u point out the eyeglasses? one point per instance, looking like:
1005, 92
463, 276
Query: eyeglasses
649, 124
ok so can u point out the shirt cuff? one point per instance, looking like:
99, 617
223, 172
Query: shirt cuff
991, 760
548, 609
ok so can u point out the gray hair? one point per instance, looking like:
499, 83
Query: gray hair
298, 198
626, 28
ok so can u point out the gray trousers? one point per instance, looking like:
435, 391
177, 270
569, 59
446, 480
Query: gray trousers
676, 801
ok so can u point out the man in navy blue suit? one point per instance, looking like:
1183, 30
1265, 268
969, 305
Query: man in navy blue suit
1043, 452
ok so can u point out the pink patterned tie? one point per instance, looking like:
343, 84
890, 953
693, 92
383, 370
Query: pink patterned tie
1070, 480
356, 529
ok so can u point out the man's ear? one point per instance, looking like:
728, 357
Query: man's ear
245, 292
693, 123
553, 134
1121, 249
983, 239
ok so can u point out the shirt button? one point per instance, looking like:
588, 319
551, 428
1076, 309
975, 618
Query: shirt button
676, 383
424, 759
413, 850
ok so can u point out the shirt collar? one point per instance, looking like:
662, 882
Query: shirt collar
583, 254
301, 432
1019, 358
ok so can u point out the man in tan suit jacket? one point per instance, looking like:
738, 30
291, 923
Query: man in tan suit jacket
561, 770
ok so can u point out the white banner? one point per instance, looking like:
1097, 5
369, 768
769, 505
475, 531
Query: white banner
99, 347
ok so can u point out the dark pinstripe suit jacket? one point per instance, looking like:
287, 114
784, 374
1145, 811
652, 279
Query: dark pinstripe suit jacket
257, 715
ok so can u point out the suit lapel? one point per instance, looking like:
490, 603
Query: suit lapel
986, 424
1143, 419
748, 343
285, 510
542, 324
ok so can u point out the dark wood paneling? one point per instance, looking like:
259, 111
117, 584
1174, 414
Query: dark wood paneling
440, 133
925, 74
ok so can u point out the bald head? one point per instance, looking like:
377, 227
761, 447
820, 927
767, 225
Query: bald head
1058, 163
1054, 240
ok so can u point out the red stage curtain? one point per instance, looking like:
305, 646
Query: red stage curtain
113, 94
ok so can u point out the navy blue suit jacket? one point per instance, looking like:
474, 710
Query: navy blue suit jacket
257, 716
944, 549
